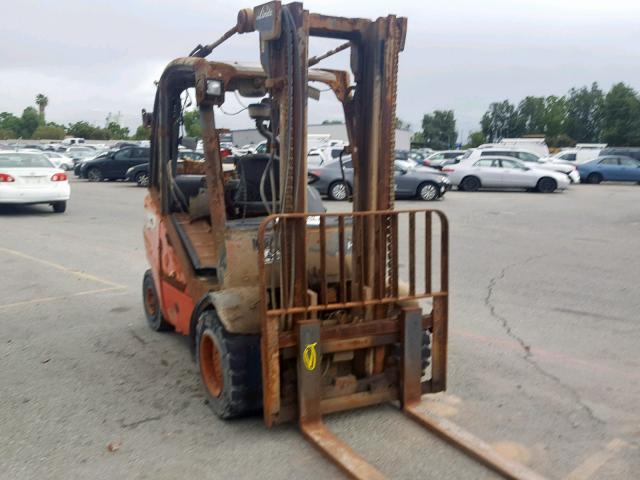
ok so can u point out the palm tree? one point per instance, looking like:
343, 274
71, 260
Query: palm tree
42, 101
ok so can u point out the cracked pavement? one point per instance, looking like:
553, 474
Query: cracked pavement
543, 351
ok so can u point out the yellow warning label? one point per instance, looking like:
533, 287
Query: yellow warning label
310, 356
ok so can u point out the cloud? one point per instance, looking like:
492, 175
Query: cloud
100, 57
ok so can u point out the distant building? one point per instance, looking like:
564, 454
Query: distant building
338, 131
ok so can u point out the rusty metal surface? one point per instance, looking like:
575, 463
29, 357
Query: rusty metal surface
238, 308
339, 452
309, 371
334, 278
411, 355
318, 58
438, 381
203, 51
275, 224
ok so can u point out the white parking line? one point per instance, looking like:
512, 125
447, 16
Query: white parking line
37, 301
84, 276
593, 463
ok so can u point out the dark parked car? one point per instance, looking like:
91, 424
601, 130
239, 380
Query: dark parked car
613, 168
411, 182
114, 164
78, 162
138, 174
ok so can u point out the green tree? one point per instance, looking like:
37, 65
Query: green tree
621, 116
10, 125
439, 129
418, 138
475, 139
81, 129
191, 120
560, 141
530, 115
117, 132
554, 116
142, 133
499, 121
6, 134
48, 132
42, 101
29, 121
90, 132
584, 114
54, 124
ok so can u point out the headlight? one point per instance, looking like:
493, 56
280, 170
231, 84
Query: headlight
214, 87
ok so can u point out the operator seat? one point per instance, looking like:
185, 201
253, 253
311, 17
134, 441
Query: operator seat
246, 197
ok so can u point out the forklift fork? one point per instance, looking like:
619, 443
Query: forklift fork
314, 430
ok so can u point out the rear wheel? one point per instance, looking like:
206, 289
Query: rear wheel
142, 179
94, 175
547, 185
59, 207
229, 366
594, 178
151, 303
428, 191
338, 191
470, 184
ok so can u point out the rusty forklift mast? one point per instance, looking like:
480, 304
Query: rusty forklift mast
320, 292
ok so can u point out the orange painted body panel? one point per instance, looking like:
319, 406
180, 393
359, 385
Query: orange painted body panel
169, 278
177, 307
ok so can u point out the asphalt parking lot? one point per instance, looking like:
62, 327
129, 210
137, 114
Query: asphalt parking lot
544, 363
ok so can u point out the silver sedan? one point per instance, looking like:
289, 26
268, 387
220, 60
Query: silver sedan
503, 172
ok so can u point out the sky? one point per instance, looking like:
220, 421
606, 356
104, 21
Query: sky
95, 58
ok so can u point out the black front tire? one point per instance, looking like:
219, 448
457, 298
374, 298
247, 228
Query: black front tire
594, 178
94, 175
151, 304
547, 185
230, 368
470, 184
428, 191
59, 207
142, 179
338, 191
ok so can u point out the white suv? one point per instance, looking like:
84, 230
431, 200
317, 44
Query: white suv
528, 157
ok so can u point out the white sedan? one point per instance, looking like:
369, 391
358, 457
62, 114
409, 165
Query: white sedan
59, 160
30, 178
503, 172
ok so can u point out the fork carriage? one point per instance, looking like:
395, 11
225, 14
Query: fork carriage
357, 314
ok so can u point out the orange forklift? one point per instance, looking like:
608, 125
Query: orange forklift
292, 311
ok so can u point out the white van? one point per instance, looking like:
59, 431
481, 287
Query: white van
535, 145
581, 153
